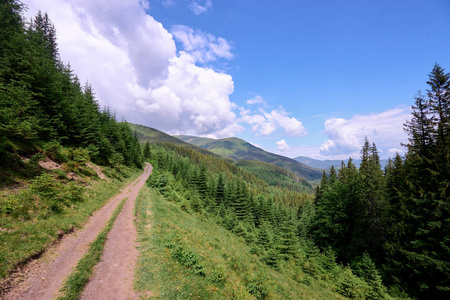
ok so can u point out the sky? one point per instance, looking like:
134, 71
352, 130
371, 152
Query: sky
294, 77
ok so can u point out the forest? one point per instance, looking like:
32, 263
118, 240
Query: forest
42, 103
374, 232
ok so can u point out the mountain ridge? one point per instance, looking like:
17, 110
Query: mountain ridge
238, 149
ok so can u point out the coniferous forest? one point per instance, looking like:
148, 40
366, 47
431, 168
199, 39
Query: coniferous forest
42, 102
374, 232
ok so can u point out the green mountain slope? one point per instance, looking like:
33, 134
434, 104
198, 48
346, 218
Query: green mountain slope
152, 135
275, 175
237, 149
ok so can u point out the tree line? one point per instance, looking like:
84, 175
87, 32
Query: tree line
400, 216
272, 226
42, 100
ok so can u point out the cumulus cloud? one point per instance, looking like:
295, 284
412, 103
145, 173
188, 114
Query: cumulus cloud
256, 100
265, 123
198, 8
345, 137
202, 47
283, 146
132, 62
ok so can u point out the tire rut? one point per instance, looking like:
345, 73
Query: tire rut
43, 278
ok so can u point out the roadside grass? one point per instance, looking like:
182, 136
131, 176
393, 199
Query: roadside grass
27, 234
77, 280
186, 255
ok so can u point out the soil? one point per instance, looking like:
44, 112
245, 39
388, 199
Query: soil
97, 169
113, 276
42, 278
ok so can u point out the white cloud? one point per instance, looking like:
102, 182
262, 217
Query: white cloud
266, 123
201, 46
393, 152
132, 63
199, 9
168, 3
283, 146
345, 137
256, 100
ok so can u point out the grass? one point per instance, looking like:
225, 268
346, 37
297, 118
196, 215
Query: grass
228, 270
77, 280
22, 238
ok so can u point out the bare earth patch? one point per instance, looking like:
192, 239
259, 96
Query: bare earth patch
49, 164
43, 278
97, 169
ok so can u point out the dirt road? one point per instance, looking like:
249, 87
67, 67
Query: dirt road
43, 277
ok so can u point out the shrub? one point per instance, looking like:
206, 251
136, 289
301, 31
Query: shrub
10, 205
188, 259
219, 274
257, 286
55, 151
364, 267
271, 258
36, 158
350, 285
48, 189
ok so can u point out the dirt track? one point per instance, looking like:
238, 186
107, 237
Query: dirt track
114, 274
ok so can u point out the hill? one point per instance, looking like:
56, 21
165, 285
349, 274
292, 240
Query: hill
238, 149
152, 135
209, 231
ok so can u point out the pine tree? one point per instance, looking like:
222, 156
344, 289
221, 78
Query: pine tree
146, 150
288, 239
419, 249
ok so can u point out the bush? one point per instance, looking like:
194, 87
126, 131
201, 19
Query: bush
257, 286
87, 171
10, 205
55, 151
188, 259
54, 195
271, 258
350, 285
181, 253
219, 274
364, 267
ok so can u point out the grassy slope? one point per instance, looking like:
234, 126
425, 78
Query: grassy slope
155, 136
237, 149
231, 271
22, 237
274, 175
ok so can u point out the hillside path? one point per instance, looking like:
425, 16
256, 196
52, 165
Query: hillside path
113, 275
44, 277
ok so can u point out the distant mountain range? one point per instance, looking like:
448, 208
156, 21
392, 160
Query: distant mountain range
326, 164
237, 150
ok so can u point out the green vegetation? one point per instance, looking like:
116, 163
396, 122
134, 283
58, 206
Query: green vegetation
43, 104
274, 175
223, 234
51, 129
74, 285
33, 218
187, 255
154, 136
397, 220
237, 149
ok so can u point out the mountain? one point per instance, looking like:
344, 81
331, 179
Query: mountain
320, 164
238, 149
326, 164
152, 135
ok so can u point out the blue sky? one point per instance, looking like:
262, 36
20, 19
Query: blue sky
293, 77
